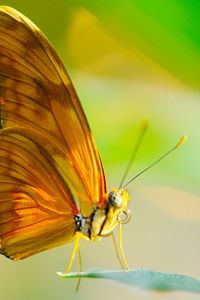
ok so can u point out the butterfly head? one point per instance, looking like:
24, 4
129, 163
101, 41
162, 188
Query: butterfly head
118, 199
117, 211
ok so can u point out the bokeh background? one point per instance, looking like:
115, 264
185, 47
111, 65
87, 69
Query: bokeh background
129, 60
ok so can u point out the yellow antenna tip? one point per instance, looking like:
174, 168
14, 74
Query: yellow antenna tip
182, 140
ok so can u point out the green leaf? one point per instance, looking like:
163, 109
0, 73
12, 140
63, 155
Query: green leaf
143, 278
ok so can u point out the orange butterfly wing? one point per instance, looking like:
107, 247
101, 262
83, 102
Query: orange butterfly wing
49, 162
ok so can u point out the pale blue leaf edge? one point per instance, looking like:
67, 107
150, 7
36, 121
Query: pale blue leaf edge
143, 278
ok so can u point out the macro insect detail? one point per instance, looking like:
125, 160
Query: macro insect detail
52, 183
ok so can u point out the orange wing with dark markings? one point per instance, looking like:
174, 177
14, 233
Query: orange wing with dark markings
49, 162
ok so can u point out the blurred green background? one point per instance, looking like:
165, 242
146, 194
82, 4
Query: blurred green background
129, 60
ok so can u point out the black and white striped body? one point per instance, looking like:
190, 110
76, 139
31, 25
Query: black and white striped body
103, 220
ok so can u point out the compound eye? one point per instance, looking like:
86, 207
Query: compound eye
115, 199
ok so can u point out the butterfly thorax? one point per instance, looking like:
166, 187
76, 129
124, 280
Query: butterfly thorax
103, 220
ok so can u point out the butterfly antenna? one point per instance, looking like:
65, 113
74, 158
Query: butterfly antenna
144, 127
180, 142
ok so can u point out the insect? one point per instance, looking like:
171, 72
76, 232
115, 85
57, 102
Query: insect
52, 183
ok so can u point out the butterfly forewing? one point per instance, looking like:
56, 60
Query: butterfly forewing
48, 159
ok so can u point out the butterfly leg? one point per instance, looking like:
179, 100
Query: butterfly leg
116, 250
120, 256
79, 269
75, 249
121, 248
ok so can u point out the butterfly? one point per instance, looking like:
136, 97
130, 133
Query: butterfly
52, 183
